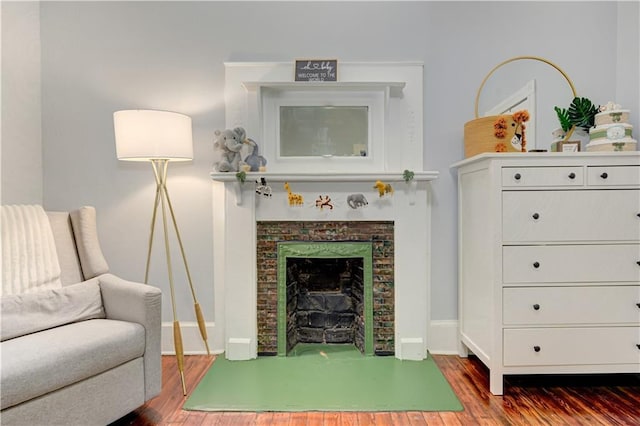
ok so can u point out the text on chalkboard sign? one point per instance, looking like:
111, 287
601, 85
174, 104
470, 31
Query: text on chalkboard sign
317, 70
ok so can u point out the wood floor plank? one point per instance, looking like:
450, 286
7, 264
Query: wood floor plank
315, 418
264, 419
416, 418
237, 419
432, 418
400, 418
349, 419
382, 419
298, 419
280, 419
366, 419
331, 419
528, 400
196, 418
211, 419
450, 419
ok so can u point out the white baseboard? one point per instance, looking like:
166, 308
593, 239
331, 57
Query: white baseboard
192, 343
443, 337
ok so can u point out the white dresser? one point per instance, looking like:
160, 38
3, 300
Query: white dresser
549, 262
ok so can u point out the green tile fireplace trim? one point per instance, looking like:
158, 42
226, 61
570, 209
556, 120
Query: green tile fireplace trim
341, 249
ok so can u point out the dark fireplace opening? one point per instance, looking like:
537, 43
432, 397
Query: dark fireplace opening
325, 301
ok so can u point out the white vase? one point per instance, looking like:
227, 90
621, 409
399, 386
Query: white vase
410, 189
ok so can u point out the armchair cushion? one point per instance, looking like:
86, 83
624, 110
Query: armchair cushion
43, 362
31, 312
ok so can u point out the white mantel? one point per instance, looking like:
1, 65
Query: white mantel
326, 177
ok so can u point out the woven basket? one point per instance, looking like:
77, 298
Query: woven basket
480, 133
479, 136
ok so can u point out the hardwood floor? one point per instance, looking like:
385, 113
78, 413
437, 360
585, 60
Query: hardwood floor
529, 400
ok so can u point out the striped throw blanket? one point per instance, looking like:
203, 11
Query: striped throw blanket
29, 257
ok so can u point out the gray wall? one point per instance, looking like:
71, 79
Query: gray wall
21, 97
99, 57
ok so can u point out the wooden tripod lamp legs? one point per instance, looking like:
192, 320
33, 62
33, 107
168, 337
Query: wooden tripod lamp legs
162, 198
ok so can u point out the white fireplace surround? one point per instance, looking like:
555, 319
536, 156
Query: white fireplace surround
237, 207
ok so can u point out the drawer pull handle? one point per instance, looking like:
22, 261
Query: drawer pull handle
604, 175
638, 215
638, 262
638, 305
638, 346
536, 307
536, 216
517, 176
536, 348
572, 175
536, 265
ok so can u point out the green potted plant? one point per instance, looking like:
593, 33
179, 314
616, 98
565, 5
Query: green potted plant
241, 177
411, 185
407, 175
580, 115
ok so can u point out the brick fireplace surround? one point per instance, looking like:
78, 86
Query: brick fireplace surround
379, 233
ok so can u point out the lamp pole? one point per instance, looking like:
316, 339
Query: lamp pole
160, 168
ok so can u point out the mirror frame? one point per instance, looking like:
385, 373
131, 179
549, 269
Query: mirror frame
534, 58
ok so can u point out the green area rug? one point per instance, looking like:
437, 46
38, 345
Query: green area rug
323, 378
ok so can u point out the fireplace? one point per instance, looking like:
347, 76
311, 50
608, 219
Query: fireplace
325, 294
245, 283
248, 228
365, 244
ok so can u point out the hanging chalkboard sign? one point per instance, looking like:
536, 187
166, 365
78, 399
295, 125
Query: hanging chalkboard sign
316, 70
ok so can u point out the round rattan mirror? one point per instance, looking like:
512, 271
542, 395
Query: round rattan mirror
532, 83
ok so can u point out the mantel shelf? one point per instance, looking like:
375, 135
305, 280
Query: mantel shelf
395, 87
325, 177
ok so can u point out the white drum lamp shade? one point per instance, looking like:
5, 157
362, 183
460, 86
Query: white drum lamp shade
143, 135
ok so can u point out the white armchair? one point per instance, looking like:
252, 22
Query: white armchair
86, 352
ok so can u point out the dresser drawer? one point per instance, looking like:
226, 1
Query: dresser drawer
573, 215
571, 305
571, 346
571, 264
542, 176
613, 175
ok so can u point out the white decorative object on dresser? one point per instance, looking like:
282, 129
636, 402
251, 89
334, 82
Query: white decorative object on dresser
549, 263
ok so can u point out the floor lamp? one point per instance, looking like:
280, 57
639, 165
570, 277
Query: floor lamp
161, 137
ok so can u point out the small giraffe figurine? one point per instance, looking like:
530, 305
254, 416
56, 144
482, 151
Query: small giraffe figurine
294, 199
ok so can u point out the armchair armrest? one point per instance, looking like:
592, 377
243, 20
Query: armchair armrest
136, 302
